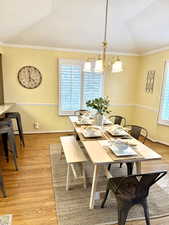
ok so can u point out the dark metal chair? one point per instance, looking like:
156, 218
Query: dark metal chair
17, 116
132, 190
8, 138
120, 120
136, 132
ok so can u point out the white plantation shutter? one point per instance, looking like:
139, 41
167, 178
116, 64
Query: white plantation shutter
76, 87
164, 106
92, 86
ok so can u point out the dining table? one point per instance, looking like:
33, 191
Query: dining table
100, 154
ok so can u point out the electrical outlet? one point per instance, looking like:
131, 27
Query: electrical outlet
36, 125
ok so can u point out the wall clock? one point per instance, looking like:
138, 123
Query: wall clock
29, 77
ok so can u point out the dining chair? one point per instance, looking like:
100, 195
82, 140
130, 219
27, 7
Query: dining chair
136, 132
120, 120
17, 117
8, 139
130, 191
80, 112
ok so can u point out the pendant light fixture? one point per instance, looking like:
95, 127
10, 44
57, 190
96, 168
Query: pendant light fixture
101, 63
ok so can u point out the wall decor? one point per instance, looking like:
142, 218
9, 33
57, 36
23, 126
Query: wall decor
150, 81
29, 77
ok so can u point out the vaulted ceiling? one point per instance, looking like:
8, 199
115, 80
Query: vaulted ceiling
134, 26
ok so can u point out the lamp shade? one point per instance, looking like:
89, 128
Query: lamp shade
87, 67
117, 66
98, 66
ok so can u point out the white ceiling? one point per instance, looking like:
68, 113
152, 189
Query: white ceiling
134, 26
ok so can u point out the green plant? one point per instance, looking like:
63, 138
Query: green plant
100, 104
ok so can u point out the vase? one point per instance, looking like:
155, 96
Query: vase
99, 119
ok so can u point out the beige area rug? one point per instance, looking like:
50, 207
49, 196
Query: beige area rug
73, 206
6, 220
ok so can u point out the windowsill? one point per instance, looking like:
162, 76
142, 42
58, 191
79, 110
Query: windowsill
163, 123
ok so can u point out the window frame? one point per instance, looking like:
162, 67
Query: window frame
161, 121
80, 63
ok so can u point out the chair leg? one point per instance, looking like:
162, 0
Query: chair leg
19, 124
146, 211
11, 139
129, 168
109, 167
2, 187
67, 177
105, 198
5, 144
122, 214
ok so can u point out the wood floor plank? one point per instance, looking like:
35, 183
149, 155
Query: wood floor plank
30, 194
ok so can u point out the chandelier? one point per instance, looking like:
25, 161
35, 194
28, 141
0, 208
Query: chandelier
101, 63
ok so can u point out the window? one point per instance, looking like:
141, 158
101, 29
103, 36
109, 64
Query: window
164, 106
76, 86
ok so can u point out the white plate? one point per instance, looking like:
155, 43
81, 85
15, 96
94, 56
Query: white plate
83, 123
118, 133
122, 150
89, 135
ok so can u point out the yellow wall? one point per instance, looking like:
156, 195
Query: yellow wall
146, 113
41, 104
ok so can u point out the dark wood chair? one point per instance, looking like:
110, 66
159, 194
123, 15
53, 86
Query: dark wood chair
137, 132
120, 120
17, 117
132, 190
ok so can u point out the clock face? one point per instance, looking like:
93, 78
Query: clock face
29, 77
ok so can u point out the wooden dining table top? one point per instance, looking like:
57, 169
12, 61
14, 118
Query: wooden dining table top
100, 153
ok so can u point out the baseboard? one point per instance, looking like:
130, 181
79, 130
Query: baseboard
158, 141
68, 131
46, 132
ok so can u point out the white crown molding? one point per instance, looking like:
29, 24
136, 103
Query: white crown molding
155, 51
151, 52
65, 49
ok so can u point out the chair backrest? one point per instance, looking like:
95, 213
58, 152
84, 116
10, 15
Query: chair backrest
136, 186
120, 120
80, 112
137, 131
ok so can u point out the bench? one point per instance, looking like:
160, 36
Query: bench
73, 155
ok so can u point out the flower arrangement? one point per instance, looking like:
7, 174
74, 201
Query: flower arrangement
100, 104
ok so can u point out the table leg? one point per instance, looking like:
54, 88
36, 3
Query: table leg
67, 177
138, 167
94, 184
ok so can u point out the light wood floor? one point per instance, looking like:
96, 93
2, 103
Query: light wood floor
30, 195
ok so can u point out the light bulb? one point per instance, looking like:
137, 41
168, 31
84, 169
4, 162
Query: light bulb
117, 66
87, 67
98, 66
